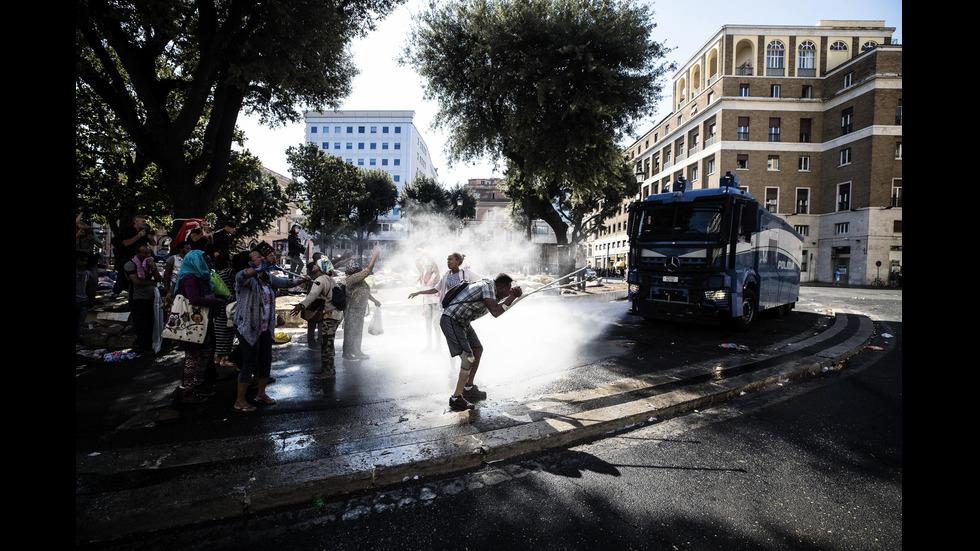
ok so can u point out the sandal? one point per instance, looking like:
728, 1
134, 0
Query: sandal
245, 409
267, 401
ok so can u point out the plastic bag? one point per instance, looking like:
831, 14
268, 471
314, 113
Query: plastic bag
375, 328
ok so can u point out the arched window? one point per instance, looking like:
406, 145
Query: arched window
869, 45
774, 55
839, 46
808, 55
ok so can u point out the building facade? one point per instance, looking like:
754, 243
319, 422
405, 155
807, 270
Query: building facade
386, 140
810, 119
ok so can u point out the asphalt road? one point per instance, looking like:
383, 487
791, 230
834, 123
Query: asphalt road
816, 464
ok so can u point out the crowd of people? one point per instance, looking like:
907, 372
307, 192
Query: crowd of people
239, 290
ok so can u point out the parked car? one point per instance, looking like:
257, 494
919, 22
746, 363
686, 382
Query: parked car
590, 275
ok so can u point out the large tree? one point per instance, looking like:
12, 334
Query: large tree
177, 73
379, 197
549, 86
327, 188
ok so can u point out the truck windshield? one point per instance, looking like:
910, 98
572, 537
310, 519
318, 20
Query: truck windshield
680, 221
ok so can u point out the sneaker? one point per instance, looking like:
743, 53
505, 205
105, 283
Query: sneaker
459, 404
351, 357
474, 393
362, 356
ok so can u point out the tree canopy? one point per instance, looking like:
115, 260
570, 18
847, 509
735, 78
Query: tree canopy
549, 86
339, 199
177, 73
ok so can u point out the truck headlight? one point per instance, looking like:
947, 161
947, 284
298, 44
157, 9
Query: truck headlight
716, 294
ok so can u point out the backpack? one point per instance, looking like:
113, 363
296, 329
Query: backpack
453, 292
338, 296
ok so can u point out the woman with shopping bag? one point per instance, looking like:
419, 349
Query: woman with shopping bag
194, 284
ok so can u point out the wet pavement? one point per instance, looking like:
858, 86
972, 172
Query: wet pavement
557, 369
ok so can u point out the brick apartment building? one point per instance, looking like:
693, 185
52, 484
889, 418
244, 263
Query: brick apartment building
810, 119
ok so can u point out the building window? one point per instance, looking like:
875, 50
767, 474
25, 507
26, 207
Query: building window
398, 130
711, 166
806, 54
360, 145
845, 156
775, 90
374, 145
694, 173
743, 90
360, 129
350, 145
898, 151
313, 130
384, 129
350, 129
772, 199
807, 91
373, 162
743, 129
802, 201
398, 145
397, 162
843, 197
742, 161
774, 58
336, 145
803, 230
711, 97
325, 145
773, 129
397, 178
898, 113
336, 130
772, 163
805, 132
374, 129
384, 145
839, 46
897, 192
847, 120
869, 45
804, 164
384, 162
841, 228
848, 80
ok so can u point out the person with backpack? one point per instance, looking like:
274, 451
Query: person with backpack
464, 303
451, 278
326, 290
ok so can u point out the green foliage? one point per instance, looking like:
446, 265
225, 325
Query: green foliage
252, 198
462, 202
551, 86
423, 196
328, 189
175, 74
380, 196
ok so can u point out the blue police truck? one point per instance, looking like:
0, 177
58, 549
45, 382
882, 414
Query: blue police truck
710, 254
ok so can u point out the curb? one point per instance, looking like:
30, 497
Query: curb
175, 503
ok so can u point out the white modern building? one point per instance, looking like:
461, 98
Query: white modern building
386, 140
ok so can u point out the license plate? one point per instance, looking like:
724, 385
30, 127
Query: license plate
671, 279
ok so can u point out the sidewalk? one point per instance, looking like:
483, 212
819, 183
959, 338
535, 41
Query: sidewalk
134, 475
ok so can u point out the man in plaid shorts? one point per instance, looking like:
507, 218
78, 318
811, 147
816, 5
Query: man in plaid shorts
478, 298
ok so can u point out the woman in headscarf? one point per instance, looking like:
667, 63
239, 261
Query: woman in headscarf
322, 287
194, 282
255, 321
358, 294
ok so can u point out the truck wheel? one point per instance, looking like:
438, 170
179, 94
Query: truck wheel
750, 312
